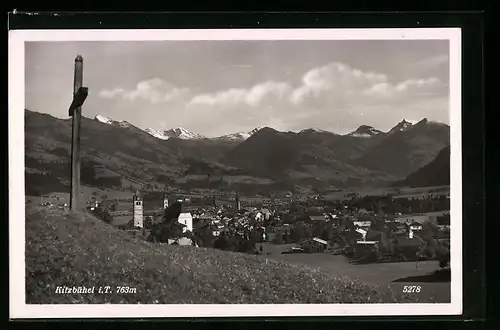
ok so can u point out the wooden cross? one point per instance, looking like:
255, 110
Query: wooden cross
75, 110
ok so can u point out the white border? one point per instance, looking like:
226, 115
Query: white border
18, 307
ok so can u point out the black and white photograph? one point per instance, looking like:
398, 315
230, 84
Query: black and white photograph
235, 172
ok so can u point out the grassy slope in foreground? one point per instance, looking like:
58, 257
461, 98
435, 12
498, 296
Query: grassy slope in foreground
79, 250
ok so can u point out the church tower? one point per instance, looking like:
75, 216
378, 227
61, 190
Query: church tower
237, 204
165, 201
138, 210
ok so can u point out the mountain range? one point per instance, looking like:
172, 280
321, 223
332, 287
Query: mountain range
283, 160
178, 132
363, 131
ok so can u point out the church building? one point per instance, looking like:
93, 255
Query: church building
138, 210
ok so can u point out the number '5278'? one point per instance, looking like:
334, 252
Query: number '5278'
412, 288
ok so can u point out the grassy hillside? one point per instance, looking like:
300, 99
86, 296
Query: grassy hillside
77, 249
435, 173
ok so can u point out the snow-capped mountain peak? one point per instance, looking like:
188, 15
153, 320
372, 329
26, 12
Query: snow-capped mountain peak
403, 125
103, 119
365, 131
255, 130
315, 130
178, 133
109, 121
182, 133
240, 136
156, 133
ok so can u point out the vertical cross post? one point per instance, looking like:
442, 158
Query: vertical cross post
75, 141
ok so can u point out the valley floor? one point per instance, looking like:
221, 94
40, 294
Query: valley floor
396, 275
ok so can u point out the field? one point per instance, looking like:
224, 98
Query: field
87, 194
398, 192
396, 275
69, 249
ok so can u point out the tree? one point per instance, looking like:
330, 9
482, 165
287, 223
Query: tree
148, 223
328, 233
298, 232
378, 225
429, 229
172, 212
222, 243
278, 239
443, 255
245, 246
169, 227
204, 235
384, 243
444, 220
166, 230
318, 230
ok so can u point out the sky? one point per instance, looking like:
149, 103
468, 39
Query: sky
220, 87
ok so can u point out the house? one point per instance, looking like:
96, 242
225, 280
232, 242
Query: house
415, 226
186, 219
259, 216
266, 213
314, 218
314, 245
362, 224
183, 241
363, 248
363, 211
362, 232
367, 243
414, 218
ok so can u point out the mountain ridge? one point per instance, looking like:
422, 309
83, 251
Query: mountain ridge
182, 133
307, 158
434, 173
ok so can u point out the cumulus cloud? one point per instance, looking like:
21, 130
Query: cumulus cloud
334, 96
335, 78
111, 93
407, 88
335, 84
339, 84
325, 96
154, 90
252, 96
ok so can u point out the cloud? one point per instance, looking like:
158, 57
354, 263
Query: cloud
334, 97
435, 61
338, 84
335, 78
252, 96
111, 93
407, 88
154, 91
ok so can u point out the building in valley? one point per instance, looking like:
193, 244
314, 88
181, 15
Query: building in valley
138, 210
186, 219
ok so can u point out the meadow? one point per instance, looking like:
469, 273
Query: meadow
66, 249
396, 275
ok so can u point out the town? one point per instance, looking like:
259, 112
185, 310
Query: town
364, 229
